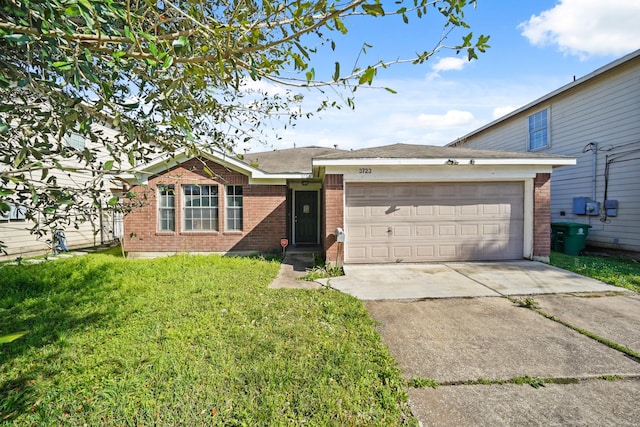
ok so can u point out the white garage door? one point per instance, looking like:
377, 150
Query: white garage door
419, 222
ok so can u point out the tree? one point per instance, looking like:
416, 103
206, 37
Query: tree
166, 74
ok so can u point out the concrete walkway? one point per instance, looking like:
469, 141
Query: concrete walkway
294, 266
469, 279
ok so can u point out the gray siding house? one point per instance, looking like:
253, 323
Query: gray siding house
595, 119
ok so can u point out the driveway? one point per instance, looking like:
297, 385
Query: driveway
479, 346
465, 279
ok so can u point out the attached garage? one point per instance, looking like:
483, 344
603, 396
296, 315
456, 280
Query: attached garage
420, 203
421, 222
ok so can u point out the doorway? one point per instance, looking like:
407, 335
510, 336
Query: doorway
305, 218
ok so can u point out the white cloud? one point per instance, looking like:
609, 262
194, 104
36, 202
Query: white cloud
446, 64
587, 27
448, 120
502, 111
263, 86
449, 63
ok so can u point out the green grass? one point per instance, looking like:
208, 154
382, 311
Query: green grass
618, 271
187, 340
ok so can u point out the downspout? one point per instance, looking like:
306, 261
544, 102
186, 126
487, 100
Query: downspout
593, 173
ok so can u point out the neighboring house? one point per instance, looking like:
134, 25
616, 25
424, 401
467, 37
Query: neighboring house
397, 203
595, 119
15, 228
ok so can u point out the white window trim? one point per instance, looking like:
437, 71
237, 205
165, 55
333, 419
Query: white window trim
229, 208
15, 214
185, 207
528, 135
160, 208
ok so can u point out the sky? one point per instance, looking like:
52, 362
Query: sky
537, 46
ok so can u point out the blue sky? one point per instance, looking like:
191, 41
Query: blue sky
537, 46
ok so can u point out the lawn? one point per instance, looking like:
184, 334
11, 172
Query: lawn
187, 340
618, 271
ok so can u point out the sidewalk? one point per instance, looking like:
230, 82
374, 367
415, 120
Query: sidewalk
294, 266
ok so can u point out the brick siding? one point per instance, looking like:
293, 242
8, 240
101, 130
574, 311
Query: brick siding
264, 214
333, 216
542, 216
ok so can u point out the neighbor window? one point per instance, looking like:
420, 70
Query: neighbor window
200, 204
234, 207
75, 141
166, 208
539, 130
15, 213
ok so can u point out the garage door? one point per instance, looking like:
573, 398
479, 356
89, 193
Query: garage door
419, 222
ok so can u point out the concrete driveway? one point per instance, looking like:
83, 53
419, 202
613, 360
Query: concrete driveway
465, 279
477, 347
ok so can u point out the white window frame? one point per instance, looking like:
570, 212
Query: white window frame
200, 211
547, 112
15, 214
166, 204
234, 208
76, 141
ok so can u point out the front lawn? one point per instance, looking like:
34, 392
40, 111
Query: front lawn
187, 340
618, 271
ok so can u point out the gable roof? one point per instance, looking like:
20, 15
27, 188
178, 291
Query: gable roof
410, 154
290, 160
163, 163
595, 74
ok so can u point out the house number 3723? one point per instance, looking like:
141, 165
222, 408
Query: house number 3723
364, 170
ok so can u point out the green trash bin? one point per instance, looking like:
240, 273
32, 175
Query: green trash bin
569, 237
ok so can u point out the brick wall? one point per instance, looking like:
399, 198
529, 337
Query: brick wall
333, 216
542, 216
264, 214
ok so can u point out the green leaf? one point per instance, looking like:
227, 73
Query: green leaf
108, 165
4, 128
336, 73
180, 43
167, 61
113, 201
311, 75
373, 9
340, 26
388, 89
367, 76
63, 65
11, 337
19, 39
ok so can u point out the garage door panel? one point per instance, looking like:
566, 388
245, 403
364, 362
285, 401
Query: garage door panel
378, 231
423, 231
413, 222
381, 252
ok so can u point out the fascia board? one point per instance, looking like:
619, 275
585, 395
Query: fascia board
167, 161
444, 161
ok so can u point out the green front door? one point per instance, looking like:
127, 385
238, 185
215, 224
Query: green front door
306, 217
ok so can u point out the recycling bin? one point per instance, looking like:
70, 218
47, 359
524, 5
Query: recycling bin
569, 237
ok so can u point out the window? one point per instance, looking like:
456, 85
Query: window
166, 208
75, 141
16, 213
539, 130
200, 207
234, 207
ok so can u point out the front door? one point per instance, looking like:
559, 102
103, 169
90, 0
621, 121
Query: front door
306, 217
